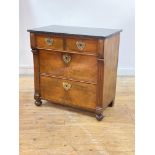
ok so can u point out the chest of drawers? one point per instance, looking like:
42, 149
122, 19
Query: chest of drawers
75, 66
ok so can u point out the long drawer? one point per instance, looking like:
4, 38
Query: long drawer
68, 92
68, 65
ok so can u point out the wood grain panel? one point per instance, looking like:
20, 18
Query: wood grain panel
32, 41
90, 45
111, 49
56, 45
81, 67
80, 94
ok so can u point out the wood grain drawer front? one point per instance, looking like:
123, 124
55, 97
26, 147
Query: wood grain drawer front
68, 92
79, 67
81, 45
49, 42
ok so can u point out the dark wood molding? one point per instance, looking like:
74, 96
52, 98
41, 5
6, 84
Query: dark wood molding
36, 72
100, 82
100, 74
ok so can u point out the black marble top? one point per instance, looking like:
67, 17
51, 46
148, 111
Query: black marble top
80, 31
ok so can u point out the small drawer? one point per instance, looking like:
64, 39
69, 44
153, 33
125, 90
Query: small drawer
73, 66
68, 92
49, 42
81, 45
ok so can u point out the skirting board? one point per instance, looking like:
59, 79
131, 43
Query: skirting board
28, 70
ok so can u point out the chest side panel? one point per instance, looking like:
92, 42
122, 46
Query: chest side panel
111, 49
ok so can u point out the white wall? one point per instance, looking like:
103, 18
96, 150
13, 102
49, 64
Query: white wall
90, 13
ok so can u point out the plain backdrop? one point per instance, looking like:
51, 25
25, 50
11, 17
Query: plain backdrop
87, 13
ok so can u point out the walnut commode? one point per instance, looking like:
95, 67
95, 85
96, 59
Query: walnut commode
75, 66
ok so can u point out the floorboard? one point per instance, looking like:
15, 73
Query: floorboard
56, 130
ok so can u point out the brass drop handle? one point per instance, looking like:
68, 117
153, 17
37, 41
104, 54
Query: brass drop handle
66, 86
66, 58
80, 45
49, 41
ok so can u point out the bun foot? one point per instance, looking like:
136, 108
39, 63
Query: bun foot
37, 98
38, 102
99, 117
111, 104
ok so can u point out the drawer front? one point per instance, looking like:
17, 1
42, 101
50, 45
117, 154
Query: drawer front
81, 45
68, 92
49, 42
73, 66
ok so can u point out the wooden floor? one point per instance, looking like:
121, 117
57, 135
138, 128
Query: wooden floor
56, 130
